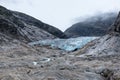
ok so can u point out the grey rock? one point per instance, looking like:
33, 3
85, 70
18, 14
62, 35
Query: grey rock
97, 25
26, 28
106, 45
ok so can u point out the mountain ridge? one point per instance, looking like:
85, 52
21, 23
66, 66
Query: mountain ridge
97, 25
26, 28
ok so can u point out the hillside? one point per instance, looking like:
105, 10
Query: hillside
26, 28
106, 45
93, 26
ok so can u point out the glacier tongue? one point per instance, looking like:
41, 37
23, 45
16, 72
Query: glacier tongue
65, 44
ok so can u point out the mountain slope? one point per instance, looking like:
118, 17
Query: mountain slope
26, 28
19, 61
92, 26
106, 45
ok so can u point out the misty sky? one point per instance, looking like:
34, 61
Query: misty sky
61, 13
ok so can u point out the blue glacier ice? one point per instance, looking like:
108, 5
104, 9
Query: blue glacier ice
65, 44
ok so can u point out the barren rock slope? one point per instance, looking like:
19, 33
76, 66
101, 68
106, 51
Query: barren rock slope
106, 45
26, 28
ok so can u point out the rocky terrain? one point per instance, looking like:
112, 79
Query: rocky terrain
19, 61
106, 45
26, 28
92, 26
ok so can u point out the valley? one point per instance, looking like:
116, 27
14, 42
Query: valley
33, 50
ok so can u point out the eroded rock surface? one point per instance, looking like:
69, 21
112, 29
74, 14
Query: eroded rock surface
26, 28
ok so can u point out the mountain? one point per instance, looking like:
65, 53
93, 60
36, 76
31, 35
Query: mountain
106, 45
19, 61
26, 28
92, 26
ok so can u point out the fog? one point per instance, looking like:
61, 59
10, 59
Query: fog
61, 13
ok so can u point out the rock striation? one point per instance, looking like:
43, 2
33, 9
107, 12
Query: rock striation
26, 28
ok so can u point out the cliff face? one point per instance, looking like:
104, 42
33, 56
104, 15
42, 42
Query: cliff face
26, 28
92, 26
116, 26
106, 45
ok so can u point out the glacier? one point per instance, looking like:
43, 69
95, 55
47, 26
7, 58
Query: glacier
70, 44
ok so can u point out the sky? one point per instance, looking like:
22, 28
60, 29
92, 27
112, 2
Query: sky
61, 13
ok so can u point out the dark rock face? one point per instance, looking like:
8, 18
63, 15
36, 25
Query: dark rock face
93, 26
116, 26
26, 28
